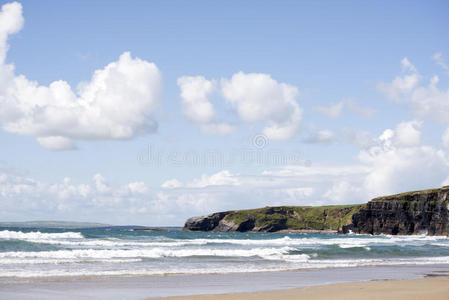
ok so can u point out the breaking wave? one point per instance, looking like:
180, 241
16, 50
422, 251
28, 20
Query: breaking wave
38, 236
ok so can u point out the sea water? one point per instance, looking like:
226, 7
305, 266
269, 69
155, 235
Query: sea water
43, 252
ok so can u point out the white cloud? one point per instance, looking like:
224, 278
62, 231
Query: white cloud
138, 188
431, 102
25, 198
396, 169
401, 85
343, 192
11, 21
399, 157
195, 92
407, 66
408, 133
427, 101
438, 58
56, 143
332, 110
117, 103
258, 98
196, 106
171, 184
221, 178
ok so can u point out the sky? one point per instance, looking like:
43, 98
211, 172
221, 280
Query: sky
150, 112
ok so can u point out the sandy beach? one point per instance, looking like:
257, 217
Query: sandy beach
435, 288
382, 282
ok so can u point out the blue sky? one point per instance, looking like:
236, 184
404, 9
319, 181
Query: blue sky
347, 88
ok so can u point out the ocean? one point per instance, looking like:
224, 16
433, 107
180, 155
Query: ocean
42, 252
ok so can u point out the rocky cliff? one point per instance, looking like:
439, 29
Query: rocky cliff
272, 219
407, 213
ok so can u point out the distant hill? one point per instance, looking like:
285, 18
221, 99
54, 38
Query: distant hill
53, 224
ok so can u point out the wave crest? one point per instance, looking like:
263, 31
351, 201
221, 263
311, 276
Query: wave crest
38, 236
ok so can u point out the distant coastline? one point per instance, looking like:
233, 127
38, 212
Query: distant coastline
53, 224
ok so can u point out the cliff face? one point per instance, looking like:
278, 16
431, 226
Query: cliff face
407, 213
272, 219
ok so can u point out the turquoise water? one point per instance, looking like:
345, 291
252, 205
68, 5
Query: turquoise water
41, 252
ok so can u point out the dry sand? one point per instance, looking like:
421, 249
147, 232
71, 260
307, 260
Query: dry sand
433, 288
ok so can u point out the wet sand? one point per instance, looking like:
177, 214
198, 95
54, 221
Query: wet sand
435, 288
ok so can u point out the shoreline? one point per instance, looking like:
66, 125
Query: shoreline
437, 288
148, 287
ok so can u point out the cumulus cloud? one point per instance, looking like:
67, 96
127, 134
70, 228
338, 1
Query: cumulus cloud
196, 106
398, 157
258, 98
426, 100
171, 184
255, 97
344, 192
11, 21
117, 103
221, 178
408, 133
56, 143
401, 85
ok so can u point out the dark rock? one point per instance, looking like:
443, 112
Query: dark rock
205, 223
420, 212
247, 225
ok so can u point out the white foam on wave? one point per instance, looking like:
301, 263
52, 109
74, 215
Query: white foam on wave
361, 262
234, 268
140, 272
351, 241
147, 253
38, 236
56, 261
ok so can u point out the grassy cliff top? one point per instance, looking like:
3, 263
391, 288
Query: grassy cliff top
412, 193
331, 217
